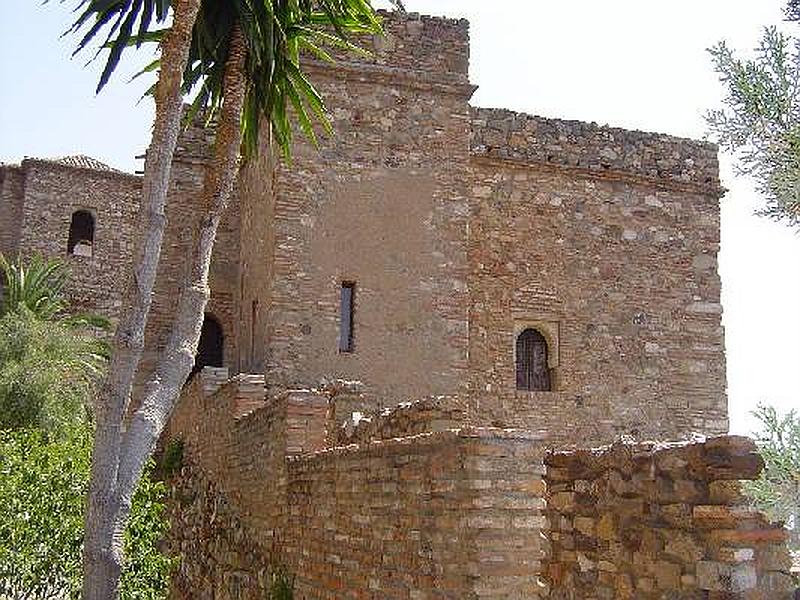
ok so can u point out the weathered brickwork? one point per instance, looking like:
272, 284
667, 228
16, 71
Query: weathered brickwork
456, 513
651, 521
449, 514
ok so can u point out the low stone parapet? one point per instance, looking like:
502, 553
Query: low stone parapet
651, 521
501, 134
408, 418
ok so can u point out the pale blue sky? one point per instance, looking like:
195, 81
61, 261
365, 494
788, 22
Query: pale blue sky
629, 63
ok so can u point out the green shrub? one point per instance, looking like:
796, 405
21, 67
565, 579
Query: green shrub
281, 586
777, 490
48, 372
171, 459
43, 482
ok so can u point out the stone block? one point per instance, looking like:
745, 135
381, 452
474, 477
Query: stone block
725, 577
667, 575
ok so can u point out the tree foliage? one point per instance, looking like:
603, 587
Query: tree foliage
777, 490
49, 367
276, 32
48, 373
50, 360
36, 285
760, 119
43, 482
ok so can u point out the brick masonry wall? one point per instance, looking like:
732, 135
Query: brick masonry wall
456, 513
651, 521
609, 238
452, 514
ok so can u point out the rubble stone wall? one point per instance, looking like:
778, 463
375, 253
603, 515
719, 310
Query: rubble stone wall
650, 521
51, 193
605, 241
408, 418
12, 185
370, 206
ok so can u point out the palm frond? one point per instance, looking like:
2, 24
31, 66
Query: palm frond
36, 285
275, 32
116, 19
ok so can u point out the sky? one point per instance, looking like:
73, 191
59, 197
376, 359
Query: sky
627, 63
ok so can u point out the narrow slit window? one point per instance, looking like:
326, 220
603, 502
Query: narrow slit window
253, 325
346, 306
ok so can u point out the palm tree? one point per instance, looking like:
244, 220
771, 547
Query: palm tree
244, 55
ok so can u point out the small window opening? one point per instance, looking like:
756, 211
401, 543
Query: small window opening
253, 325
346, 306
81, 234
533, 373
210, 349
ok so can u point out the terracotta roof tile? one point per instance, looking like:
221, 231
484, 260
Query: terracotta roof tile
82, 161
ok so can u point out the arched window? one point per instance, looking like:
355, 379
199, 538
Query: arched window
210, 350
533, 372
81, 233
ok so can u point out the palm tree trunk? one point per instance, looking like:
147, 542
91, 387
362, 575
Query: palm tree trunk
177, 358
102, 553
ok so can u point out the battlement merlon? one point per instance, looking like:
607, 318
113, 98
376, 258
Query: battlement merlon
601, 151
414, 50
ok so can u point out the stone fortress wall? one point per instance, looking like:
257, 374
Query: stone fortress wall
382, 204
38, 199
461, 228
607, 241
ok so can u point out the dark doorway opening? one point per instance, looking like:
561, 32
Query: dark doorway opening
211, 349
